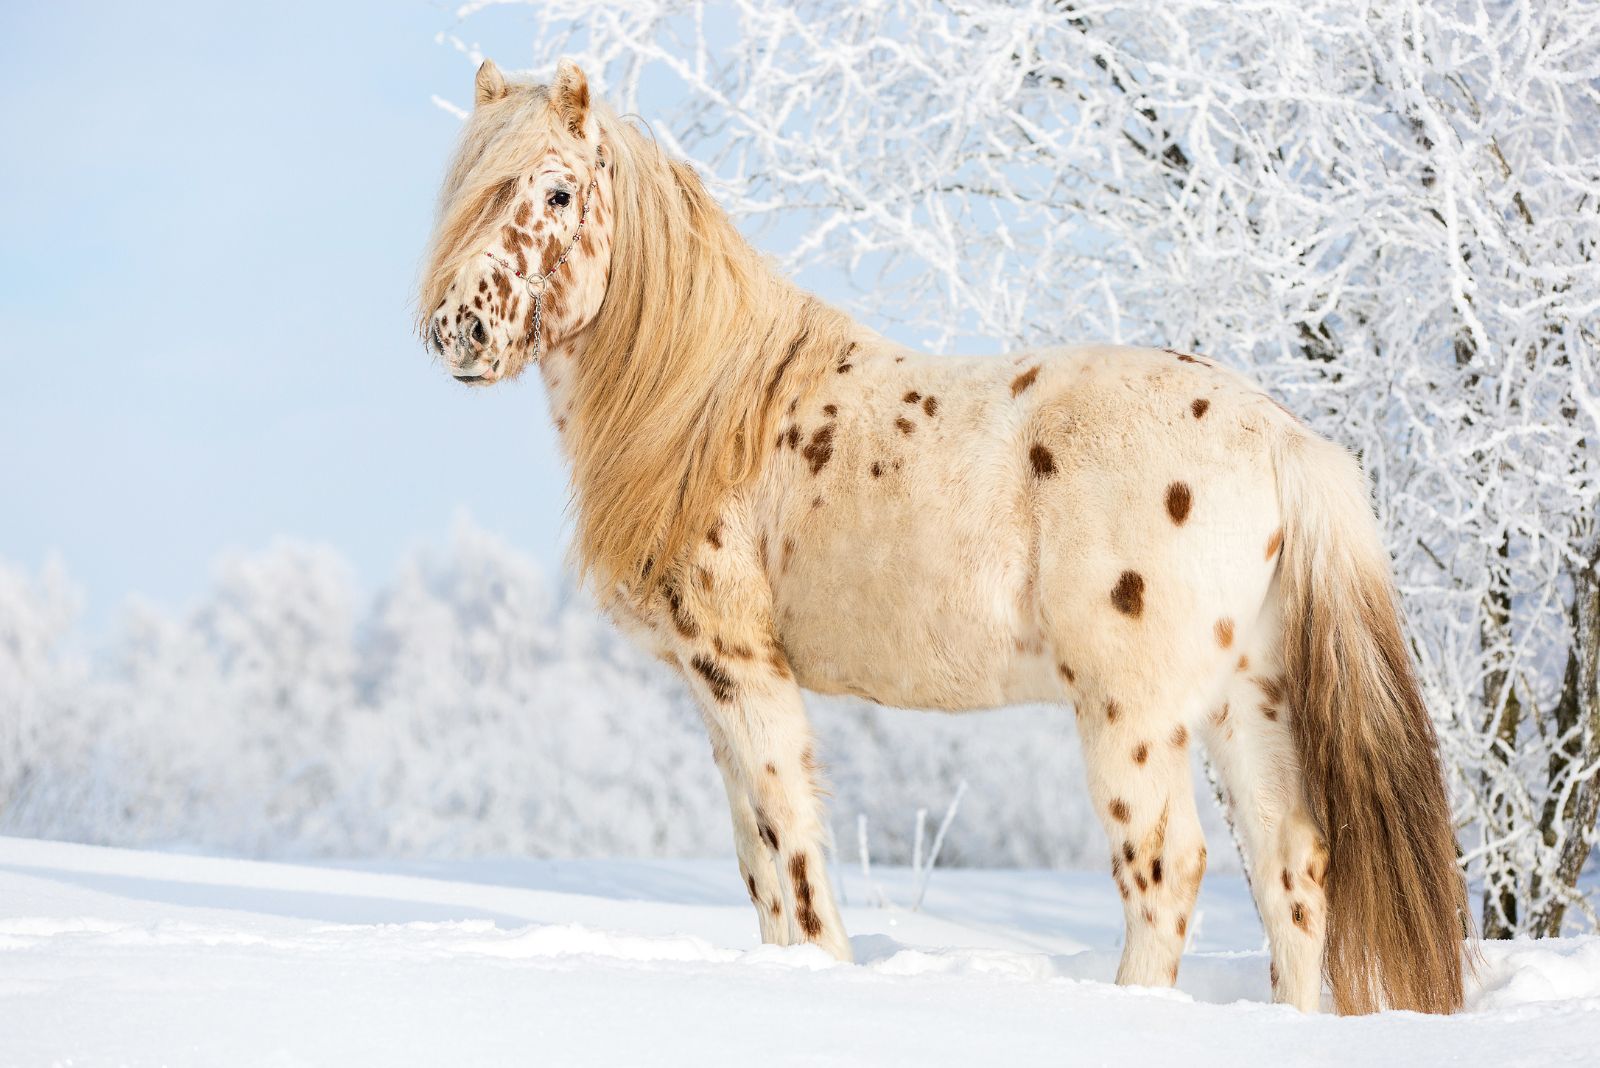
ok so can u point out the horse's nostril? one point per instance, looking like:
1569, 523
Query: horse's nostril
479, 334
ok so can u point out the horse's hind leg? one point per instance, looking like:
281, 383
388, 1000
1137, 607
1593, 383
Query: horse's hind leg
762, 741
1137, 759
1253, 752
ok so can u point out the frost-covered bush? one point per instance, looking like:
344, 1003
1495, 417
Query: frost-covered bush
470, 707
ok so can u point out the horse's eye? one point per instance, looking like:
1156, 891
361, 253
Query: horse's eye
559, 199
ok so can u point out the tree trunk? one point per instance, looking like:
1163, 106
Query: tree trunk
1570, 825
1504, 714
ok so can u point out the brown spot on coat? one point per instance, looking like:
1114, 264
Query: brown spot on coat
1066, 673
877, 469
1155, 871
1288, 883
778, 660
1297, 913
681, 619
1199, 407
1113, 710
1144, 884
1244, 663
805, 910
1180, 736
1127, 852
1274, 543
912, 397
904, 425
717, 680
1119, 811
735, 650
1141, 753
768, 835
1044, 464
1127, 596
820, 449
830, 410
551, 253
1183, 926
930, 405
1224, 631
1179, 499
714, 535
792, 437
1024, 380
1273, 690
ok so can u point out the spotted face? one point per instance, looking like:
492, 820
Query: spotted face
521, 257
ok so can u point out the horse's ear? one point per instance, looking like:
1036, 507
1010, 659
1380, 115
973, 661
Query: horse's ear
491, 83
570, 97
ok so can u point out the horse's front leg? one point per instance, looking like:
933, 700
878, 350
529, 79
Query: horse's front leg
763, 746
757, 862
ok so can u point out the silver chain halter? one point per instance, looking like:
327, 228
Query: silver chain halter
537, 284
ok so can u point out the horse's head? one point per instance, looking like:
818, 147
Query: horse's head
521, 250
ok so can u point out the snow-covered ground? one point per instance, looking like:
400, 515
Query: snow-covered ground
112, 956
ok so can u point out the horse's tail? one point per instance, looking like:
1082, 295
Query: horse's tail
1397, 905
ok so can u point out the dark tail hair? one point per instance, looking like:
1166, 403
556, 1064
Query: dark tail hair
1397, 903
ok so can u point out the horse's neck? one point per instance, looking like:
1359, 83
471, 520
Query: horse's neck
557, 368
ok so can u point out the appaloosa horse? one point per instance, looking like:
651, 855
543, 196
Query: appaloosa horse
775, 497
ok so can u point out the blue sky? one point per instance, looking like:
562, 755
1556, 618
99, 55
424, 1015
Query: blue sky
212, 219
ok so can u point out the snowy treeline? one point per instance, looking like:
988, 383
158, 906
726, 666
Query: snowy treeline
469, 707
1389, 211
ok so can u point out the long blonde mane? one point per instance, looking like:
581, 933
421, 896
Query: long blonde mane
495, 150
681, 378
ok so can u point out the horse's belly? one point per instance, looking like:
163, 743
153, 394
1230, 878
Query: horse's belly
917, 636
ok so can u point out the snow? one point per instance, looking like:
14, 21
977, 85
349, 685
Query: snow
128, 957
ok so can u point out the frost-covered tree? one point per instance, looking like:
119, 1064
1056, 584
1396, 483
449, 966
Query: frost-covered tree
1389, 212
44, 686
